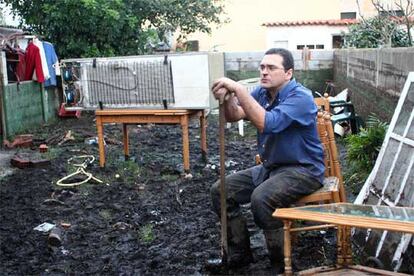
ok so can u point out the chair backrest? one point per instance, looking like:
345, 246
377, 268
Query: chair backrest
327, 137
323, 103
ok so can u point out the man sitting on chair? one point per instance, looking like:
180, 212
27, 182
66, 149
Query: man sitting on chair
284, 113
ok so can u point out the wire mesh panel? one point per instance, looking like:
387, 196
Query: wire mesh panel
173, 81
128, 83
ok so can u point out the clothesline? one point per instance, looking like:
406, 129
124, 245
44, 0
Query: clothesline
38, 61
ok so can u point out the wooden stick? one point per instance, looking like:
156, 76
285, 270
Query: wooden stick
223, 196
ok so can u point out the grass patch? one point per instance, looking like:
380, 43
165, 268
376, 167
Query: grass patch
169, 177
105, 214
146, 233
51, 153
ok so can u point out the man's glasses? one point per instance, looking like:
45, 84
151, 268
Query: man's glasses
269, 68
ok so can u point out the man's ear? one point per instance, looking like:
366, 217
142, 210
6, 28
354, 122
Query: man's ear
289, 74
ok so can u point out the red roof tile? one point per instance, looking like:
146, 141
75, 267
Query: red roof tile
330, 22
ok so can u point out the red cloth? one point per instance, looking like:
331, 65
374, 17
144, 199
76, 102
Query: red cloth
21, 67
33, 63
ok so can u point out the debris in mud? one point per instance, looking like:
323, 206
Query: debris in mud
43, 148
55, 237
44, 227
20, 141
68, 137
31, 159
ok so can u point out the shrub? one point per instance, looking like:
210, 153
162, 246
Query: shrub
362, 151
376, 32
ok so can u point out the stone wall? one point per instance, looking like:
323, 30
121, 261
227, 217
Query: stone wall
374, 77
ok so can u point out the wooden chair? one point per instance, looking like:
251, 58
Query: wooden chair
323, 103
333, 191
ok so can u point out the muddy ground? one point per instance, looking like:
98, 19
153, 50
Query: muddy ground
144, 219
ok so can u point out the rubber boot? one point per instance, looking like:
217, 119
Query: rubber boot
239, 253
274, 243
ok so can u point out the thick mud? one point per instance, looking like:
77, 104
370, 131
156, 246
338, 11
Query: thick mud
144, 219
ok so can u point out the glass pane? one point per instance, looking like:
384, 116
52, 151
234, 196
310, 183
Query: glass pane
407, 197
383, 212
399, 171
405, 112
410, 133
386, 163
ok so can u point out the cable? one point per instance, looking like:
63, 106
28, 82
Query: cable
87, 159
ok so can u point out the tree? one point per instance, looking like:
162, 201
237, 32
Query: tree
382, 30
376, 32
91, 28
406, 7
2, 21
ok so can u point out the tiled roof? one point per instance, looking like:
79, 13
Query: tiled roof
330, 22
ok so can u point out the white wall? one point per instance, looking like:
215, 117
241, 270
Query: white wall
248, 61
303, 35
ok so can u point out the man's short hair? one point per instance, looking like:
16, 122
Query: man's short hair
288, 62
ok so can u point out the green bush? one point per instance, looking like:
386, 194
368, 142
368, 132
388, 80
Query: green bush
375, 32
362, 152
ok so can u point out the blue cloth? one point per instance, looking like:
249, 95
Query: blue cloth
290, 136
51, 58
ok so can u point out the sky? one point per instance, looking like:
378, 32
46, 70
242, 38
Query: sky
8, 17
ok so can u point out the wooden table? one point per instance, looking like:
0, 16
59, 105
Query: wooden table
345, 216
156, 116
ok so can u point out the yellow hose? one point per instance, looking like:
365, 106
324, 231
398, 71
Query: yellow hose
87, 159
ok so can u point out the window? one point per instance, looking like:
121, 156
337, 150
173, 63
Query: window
192, 45
392, 13
280, 44
337, 41
310, 46
348, 15
391, 180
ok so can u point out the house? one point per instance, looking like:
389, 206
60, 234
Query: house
252, 25
313, 34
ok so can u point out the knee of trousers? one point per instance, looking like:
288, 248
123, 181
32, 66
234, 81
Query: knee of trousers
262, 210
215, 197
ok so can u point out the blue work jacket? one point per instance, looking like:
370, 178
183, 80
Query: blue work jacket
290, 136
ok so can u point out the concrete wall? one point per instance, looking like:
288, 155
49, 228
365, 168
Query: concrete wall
375, 77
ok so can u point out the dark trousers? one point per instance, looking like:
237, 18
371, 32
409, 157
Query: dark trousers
284, 187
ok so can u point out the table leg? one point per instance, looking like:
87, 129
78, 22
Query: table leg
340, 245
347, 245
99, 128
203, 126
126, 146
287, 247
186, 143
